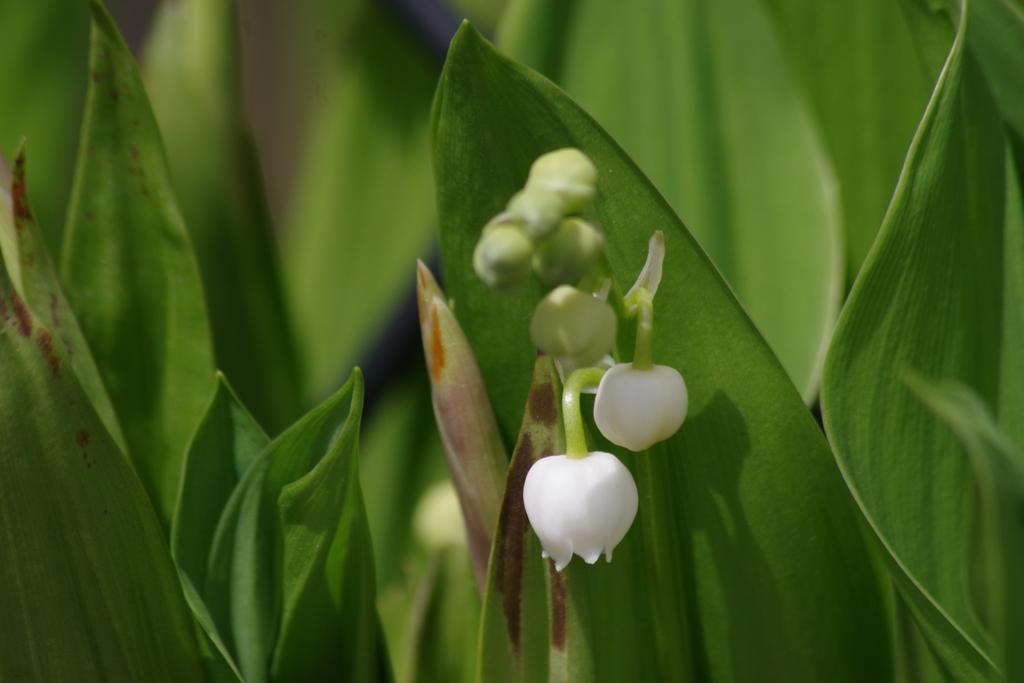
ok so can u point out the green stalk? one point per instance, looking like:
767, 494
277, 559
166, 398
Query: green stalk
575, 437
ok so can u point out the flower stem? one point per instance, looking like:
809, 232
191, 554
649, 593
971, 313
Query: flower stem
572, 418
643, 303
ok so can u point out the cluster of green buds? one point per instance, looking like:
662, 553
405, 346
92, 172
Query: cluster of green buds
541, 228
582, 502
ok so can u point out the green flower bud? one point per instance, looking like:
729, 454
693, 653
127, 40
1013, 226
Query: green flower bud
570, 253
568, 172
538, 209
574, 327
503, 257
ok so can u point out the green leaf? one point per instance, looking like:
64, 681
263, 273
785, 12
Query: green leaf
859, 67
192, 76
35, 278
291, 551
130, 273
700, 95
88, 591
515, 632
929, 297
746, 551
222, 449
42, 91
999, 472
329, 618
225, 444
363, 209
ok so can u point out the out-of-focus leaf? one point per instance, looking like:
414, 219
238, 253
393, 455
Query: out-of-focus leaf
363, 209
473, 449
746, 551
699, 94
859, 66
131, 277
996, 35
88, 591
289, 582
521, 628
35, 277
999, 472
399, 457
192, 77
42, 90
929, 297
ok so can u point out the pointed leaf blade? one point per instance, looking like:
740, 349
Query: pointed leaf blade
929, 297
194, 83
131, 276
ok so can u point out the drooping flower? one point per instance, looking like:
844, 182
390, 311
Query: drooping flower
638, 408
580, 505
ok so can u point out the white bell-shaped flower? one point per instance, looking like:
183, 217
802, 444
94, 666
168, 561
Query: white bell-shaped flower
638, 408
583, 506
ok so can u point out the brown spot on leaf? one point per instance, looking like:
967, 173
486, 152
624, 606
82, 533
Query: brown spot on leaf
89, 216
115, 95
22, 315
67, 347
4, 313
559, 598
44, 340
82, 438
134, 151
542, 405
512, 525
22, 212
95, 77
29, 258
437, 359
104, 511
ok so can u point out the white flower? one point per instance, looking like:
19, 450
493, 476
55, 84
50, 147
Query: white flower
638, 408
583, 506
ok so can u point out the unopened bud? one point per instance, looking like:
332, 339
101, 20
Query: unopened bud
570, 253
538, 209
503, 257
568, 172
574, 327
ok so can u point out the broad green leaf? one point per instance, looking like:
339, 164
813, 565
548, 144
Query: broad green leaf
193, 79
517, 636
746, 551
859, 66
44, 56
363, 209
35, 278
999, 472
131, 277
88, 591
700, 95
291, 553
929, 297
